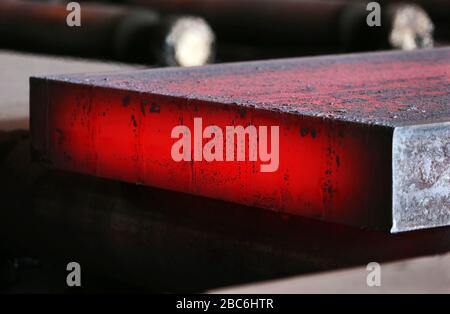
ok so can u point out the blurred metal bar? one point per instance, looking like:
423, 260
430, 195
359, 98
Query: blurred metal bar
106, 32
437, 10
301, 27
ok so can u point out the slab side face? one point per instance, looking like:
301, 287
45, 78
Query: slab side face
327, 170
421, 177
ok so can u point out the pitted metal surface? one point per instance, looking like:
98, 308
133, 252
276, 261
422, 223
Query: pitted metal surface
385, 88
421, 177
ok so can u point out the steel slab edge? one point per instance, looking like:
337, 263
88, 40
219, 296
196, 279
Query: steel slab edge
421, 176
364, 138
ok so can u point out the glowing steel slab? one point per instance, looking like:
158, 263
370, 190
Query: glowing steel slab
347, 133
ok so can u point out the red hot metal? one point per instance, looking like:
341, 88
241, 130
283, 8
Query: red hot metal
364, 138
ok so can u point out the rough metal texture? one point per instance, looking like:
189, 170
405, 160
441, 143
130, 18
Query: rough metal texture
421, 176
387, 88
336, 115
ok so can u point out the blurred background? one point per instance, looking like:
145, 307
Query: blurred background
196, 32
47, 218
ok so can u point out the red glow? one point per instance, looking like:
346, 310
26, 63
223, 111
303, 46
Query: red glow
328, 170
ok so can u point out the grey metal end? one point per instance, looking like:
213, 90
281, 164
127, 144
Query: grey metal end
421, 177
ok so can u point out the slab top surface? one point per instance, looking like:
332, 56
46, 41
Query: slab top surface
391, 89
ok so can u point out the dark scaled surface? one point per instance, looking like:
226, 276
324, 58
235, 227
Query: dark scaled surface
385, 88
